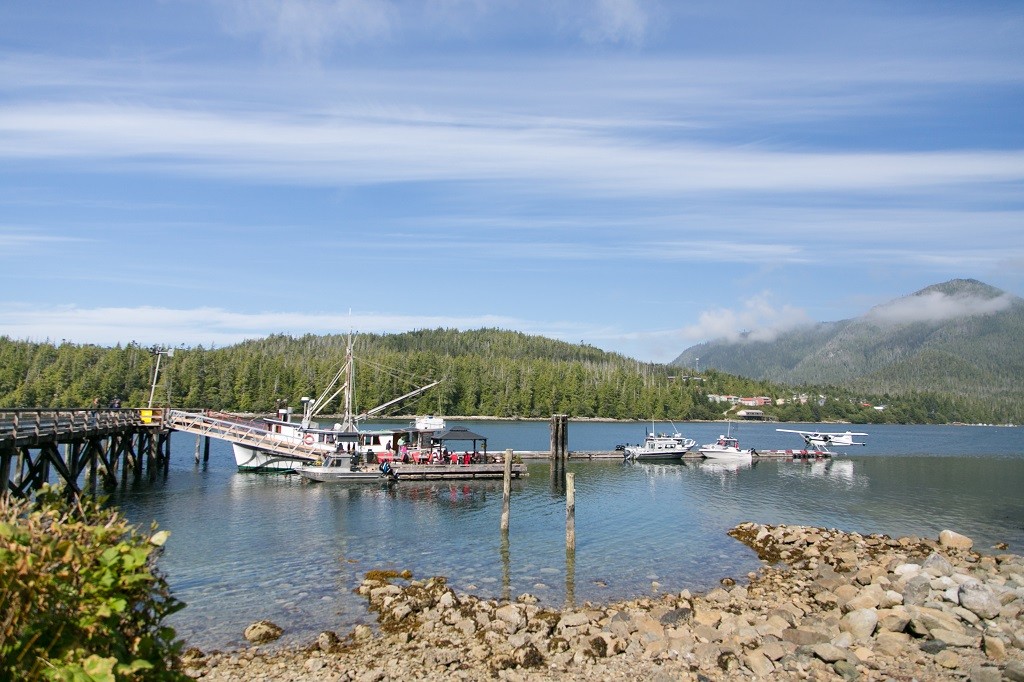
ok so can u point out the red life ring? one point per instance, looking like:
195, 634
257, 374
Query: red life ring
308, 439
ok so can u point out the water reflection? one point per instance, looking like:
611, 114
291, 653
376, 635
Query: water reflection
723, 467
835, 469
246, 546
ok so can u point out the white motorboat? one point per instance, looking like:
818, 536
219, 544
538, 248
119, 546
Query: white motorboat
726, 448
345, 466
660, 446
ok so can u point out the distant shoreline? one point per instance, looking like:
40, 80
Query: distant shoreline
612, 420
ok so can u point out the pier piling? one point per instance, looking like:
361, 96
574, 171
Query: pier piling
506, 492
560, 436
570, 512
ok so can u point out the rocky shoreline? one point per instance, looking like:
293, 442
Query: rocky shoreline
826, 605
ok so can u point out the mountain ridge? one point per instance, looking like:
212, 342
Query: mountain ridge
959, 337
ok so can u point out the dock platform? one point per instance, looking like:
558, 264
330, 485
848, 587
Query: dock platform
453, 472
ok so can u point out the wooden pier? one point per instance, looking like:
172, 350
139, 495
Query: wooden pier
37, 444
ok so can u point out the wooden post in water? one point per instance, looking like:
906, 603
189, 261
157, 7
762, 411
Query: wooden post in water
199, 440
93, 453
165, 450
19, 468
559, 436
570, 512
559, 448
5, 471
152, 458
506, 491
206, 448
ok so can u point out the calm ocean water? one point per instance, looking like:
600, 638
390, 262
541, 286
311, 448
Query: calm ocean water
245, 547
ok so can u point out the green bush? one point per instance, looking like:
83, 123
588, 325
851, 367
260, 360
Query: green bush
80, 596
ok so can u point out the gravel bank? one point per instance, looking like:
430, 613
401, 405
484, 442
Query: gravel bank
826, 605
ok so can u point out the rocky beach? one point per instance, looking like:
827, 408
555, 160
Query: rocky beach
826, 605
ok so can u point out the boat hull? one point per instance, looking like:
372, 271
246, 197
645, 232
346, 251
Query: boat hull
254, 459
644, 454
338, 474
727, 455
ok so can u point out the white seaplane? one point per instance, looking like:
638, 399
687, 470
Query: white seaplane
822, 440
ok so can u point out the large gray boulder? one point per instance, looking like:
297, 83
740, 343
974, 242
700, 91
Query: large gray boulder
979, 599
937, 565
860, 623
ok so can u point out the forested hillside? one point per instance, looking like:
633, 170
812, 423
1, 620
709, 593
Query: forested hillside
959, 338
486, 373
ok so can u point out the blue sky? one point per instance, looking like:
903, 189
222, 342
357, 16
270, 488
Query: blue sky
637, 175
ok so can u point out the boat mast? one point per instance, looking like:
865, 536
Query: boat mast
313, 407
348, 423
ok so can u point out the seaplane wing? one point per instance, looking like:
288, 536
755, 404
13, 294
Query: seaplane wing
827, 438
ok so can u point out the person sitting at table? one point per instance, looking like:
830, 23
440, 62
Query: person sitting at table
454, 459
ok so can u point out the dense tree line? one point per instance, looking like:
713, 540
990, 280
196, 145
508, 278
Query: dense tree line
486, 372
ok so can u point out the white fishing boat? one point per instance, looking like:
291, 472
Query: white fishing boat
287, 445
660, 446
283, 445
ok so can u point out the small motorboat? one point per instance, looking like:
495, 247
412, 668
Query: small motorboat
726, 448
660, 446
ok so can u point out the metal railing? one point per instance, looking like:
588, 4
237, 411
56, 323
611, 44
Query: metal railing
245, 433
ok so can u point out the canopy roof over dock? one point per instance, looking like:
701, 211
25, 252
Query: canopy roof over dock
454, 433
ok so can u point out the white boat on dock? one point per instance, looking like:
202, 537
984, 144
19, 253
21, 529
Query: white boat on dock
660, 446
346, 466
726, 448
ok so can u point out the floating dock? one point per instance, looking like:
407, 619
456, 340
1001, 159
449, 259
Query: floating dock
688, 457
451, 472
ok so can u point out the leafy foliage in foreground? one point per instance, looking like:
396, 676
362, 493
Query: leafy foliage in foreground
486, 372
80, 597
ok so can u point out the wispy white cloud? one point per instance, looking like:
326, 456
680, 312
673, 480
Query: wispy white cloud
936, 306
15, 240
306, 29
758, 320
206, 325
210, 326
615, 21
351, 151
